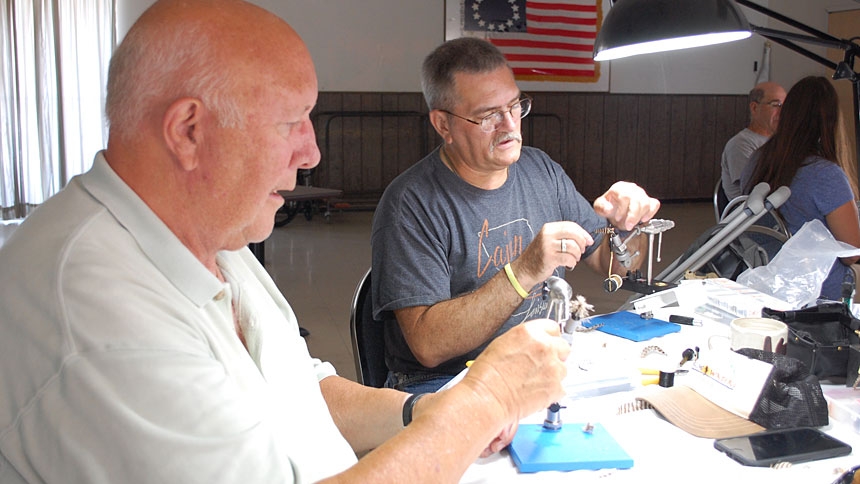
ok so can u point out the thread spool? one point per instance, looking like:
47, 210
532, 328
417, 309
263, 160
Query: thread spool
612, 283
667, 379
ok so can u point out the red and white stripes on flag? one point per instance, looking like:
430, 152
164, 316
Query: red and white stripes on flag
558, 42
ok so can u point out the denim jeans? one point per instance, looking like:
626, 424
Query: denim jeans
416, 383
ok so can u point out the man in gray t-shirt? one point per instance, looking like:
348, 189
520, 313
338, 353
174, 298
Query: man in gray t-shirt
765, 101
462, 240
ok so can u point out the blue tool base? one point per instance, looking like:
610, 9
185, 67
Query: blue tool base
537, 449
625, 324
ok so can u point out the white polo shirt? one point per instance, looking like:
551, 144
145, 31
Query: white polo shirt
119, 361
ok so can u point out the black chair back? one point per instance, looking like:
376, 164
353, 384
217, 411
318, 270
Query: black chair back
368, 337
721, 200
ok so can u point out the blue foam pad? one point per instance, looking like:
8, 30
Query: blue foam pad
625, 324
536, 449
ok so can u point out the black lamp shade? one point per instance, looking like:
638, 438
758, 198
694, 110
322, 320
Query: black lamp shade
635, 27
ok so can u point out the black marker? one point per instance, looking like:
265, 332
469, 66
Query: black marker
683, 320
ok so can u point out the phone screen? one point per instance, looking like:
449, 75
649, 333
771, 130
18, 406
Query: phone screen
786, 445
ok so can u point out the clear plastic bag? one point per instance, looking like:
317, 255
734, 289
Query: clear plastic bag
797, 272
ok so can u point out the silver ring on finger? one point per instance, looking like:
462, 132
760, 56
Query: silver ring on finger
564, 245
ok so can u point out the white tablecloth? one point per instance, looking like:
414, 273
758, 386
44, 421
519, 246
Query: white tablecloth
660, 451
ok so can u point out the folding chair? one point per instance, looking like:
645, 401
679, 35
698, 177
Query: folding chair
368, 340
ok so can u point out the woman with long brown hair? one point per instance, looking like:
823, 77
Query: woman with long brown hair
807, 154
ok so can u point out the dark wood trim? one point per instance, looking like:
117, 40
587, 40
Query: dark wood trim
668, 144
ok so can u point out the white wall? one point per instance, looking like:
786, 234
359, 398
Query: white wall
788, 66
718, 69
357, 45
378, 45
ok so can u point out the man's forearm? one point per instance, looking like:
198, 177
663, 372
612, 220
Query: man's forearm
450, 328
348, 403
437, 446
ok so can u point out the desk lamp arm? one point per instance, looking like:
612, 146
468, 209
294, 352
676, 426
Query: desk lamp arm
842, 70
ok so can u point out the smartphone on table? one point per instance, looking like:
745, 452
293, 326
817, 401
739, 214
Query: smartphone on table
784, 445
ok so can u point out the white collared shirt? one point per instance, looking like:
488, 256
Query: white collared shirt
119, 359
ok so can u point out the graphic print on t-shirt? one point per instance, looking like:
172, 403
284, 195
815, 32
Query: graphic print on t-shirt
500, 245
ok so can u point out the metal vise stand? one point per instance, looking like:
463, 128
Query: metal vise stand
560, 296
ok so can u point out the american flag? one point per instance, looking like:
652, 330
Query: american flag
543, 41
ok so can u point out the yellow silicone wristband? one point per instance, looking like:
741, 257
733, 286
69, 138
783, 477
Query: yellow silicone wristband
514, 282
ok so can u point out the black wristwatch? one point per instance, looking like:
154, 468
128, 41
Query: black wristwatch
408, 405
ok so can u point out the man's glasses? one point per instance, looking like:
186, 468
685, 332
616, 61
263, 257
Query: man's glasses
774, 104
491, 122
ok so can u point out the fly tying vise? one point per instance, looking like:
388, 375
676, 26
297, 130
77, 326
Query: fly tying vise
566, 310
620, 251
559, 309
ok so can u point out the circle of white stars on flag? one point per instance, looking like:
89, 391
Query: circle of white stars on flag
497, 26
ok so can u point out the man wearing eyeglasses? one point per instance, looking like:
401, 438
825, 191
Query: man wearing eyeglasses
765, 101
462, 240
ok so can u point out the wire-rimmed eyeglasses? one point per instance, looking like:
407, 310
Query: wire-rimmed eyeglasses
774, 104
491, 122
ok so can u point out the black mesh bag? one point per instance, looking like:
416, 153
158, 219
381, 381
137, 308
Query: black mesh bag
792, 397
820, 336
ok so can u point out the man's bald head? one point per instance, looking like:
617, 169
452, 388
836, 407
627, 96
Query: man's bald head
765, 102
219, 51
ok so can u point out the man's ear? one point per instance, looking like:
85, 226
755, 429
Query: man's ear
753, 108
183, 130
439, 120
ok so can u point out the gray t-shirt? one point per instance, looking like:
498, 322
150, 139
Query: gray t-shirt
436, 237
736, 155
